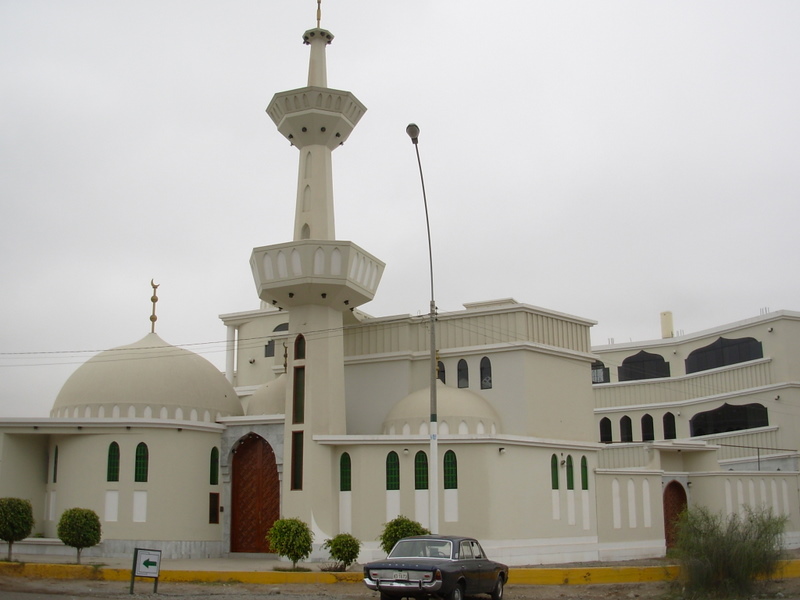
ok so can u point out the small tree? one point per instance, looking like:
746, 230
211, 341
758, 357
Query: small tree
291, 538
344, 549
79, 528
725, 555
16, 520
398, 528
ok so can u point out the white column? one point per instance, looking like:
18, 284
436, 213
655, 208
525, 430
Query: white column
230, 354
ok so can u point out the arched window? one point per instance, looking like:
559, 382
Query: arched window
440, 371
142, 463
648, 430
729, 417
570, 473
486, 373
605, 430
625, 429
392, 471
55, 465
213, 466
669, 426
584, 474
722, 353
554, 472
643, 365
112, 467
421, 471
450, 471
345, 473
299, 347
600, 373
463, 374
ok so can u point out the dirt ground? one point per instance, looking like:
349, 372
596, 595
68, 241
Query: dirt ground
788, 589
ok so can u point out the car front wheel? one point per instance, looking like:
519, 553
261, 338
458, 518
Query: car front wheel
497, 592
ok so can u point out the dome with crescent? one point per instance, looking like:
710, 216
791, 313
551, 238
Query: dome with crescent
459, 411
149, 379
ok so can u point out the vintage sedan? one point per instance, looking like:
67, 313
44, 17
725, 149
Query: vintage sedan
443, 566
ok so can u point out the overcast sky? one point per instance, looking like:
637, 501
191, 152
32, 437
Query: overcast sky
608, 159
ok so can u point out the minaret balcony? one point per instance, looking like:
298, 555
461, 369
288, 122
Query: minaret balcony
315, 115
330, 273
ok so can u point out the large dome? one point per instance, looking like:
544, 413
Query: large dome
459, 411
148, 379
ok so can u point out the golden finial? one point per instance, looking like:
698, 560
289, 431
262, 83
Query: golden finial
319, 12
153, 299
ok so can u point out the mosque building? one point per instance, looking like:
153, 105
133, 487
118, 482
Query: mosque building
544, 448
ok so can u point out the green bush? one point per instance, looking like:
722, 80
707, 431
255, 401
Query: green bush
79, 528
291, 538
398, 528
16, 520
344, 549
725, 556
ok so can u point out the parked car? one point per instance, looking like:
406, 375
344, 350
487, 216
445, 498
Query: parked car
443, 566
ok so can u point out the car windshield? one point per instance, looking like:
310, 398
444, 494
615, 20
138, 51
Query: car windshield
423, 548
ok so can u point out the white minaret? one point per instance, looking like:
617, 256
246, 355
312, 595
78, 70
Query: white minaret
318, 279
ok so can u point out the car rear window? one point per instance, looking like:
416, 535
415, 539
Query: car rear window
422, 549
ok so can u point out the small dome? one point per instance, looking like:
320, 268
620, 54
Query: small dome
459, 411
148, 379
269, 399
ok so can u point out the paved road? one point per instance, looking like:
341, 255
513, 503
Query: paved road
19, 588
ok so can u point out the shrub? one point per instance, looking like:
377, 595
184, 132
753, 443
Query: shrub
344, 549
16, 520
79, 528
398, 528
726, 555
290, 538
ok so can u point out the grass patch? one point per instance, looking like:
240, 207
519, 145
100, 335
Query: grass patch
292, 569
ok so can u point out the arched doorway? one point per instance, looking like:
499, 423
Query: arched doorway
255, 494
674, 505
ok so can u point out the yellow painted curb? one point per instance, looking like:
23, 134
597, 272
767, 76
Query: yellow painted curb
517, 576
587, 575
265, 577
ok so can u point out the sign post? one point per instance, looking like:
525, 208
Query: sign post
146, 563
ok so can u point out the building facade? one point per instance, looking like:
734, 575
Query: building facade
548, 450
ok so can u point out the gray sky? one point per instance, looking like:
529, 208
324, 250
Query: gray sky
607, 159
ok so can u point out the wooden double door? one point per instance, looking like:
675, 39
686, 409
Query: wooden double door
255, 494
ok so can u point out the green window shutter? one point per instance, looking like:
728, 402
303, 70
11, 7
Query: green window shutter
392, 471
584, 474
450, 471
142, 463
214, 467
570, 474
421, 471
112, 468
345, 473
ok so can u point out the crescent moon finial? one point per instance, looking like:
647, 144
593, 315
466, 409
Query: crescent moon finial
153, 299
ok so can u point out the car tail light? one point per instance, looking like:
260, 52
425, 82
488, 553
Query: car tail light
437, 575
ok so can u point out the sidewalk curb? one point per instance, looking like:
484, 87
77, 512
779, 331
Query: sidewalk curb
517, 576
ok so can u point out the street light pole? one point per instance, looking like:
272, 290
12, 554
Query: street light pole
433, 484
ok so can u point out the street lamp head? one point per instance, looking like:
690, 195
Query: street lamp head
413, 132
